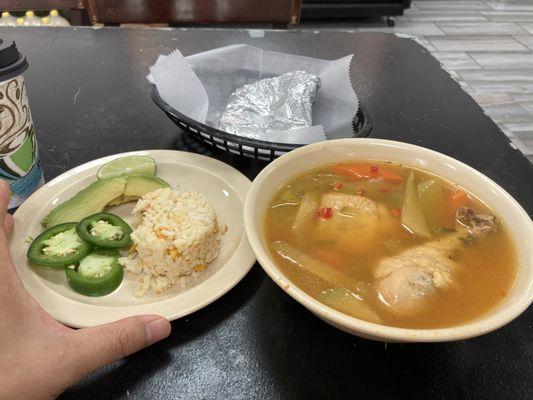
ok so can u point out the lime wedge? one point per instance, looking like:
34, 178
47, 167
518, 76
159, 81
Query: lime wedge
139, 165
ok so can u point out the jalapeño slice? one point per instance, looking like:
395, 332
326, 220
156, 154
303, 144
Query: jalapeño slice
105, 231
58, 247
97, 274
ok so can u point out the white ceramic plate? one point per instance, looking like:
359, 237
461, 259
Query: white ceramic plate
225, 188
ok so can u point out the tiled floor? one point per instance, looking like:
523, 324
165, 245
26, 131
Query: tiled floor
486, 45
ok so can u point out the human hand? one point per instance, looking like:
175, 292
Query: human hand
39, 357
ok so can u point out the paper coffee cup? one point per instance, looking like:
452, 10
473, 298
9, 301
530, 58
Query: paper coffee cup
19, 158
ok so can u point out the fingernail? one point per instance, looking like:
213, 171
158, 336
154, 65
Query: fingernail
156, 330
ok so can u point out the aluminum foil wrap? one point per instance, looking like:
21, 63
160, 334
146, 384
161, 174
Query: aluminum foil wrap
272, 104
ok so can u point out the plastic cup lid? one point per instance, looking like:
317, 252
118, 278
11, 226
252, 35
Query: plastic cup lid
12, 62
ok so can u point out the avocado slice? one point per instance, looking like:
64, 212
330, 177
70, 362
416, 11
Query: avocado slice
121, 200
91, 200
105, 192
137, 186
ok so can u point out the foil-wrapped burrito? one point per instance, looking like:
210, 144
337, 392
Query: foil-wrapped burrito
272, 104
199, 86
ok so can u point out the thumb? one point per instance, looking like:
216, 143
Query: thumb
101, 345
5, 194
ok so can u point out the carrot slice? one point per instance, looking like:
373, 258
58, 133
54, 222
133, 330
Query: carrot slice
458, 199
396, 212
327, 255
365, 172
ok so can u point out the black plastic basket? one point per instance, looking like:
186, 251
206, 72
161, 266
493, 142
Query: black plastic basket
258, 149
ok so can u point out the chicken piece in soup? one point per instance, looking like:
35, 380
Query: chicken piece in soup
390, 244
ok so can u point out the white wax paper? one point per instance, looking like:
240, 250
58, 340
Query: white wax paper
200, 85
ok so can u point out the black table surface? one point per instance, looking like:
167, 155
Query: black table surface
90, 98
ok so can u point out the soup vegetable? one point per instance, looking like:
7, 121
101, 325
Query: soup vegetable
390, 244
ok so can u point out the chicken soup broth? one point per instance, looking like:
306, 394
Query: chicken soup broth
390, 244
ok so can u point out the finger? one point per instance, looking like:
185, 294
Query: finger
7, 270
104, 344
6, 225
5, 194
9, 222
